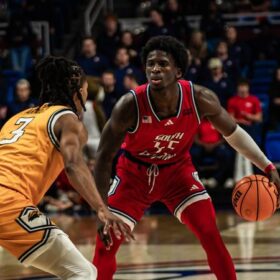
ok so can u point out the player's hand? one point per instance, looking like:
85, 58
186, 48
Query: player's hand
112, 224
274, 178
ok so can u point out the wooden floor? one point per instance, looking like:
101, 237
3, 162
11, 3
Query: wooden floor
164, 249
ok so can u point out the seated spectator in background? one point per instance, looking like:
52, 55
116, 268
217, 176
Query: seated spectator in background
158, 26
92, 63
19, 38
130, 82
127, 41
194, 71
246, 110
198, 47
62, 197
3, 102
212, 24
274, 94
239, 52
209, 143
91, 164
111, 94
174, 15
218, 81
4, 53
3, 112
229, 64
108, 40
123, 67
94, 120
23, 99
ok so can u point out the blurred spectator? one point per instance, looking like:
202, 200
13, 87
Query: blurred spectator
158, 26
111, 94
266, 45
91, 164
194, 71
260, 5
210, 148
94, 121
127, 41
175, 16
3, 112
198, 47
109, 37
229, 64
212, 24
4, 52
218, 81
274, 94
62, 197
238, 51
123, 67
130, 82
19, 38
92, 63
245, 108
23, 99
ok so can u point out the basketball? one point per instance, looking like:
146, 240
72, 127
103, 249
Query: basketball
254, 199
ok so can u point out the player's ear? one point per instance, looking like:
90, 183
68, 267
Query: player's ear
179, 73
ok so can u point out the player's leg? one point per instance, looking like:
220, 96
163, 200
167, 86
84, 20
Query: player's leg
191, 204
105, 260
63, 259
200, 218
127, 200
31, 237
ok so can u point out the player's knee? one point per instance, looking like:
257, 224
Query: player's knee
88, 271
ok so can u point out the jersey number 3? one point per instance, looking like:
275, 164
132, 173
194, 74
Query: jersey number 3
23, 122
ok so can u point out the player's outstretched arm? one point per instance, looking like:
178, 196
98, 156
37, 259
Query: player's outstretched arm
123, 117
72, 137
209, 107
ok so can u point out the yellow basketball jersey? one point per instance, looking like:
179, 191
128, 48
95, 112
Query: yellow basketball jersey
30, 159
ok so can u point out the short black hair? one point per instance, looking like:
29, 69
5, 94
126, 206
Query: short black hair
60, 78
243, 82
89, 38
109, 71
169, 45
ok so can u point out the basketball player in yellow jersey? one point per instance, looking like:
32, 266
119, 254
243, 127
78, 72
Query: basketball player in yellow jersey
35, 145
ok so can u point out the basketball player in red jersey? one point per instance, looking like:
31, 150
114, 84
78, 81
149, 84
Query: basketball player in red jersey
155, 126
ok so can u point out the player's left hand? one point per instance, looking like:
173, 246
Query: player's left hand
274, 178
112, 224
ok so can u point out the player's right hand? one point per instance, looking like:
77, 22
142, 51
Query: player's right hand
112, 224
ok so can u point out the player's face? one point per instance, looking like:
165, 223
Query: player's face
161, 70
243, 90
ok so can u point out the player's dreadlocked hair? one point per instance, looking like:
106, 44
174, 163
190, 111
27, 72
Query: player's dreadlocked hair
60, 78
169, 45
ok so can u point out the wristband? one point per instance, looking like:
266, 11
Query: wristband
269, 168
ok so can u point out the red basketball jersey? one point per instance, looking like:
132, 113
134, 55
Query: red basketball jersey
163, 141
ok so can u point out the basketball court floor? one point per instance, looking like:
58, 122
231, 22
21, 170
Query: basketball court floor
165, 250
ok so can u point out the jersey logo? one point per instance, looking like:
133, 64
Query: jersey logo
146, 119
33, 215
194, 187
169, 122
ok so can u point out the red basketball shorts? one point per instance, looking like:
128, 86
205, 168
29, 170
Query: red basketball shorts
137, 186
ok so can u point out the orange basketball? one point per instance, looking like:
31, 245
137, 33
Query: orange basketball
254, 199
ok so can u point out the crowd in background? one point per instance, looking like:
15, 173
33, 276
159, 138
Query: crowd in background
222, 58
